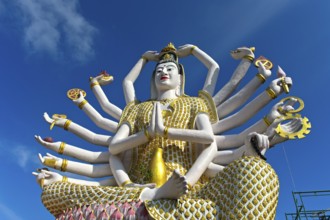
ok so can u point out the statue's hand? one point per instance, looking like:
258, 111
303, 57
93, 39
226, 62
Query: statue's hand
277, 84
58, 121
241, 52
45, 177
52, 146
50, 161
290, 127
159, 124
256, 142
280, 109
185, 50
151, 56
102, 79
79, 99
263, 71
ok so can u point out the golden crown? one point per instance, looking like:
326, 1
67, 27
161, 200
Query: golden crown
169, 47
168, 54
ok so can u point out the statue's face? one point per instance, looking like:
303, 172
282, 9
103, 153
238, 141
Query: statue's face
167, 76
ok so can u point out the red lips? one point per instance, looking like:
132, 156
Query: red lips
164, 77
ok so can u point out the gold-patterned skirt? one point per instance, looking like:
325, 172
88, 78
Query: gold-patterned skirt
246, 189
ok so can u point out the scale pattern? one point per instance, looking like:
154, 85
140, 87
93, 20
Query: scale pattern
246, 189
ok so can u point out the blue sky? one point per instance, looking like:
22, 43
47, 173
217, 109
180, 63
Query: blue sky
48, 47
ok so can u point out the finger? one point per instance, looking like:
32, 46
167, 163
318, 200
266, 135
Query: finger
261, 68
41, 158
277, 105
81, 94
50, 155
35, 173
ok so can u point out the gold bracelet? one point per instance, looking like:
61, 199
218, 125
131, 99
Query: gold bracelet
67, 124
50, 162
146, 133
166, 132
61, 149
64, 165
126, 183
145, 59
261, 77
271, 93
95, 84
192, 49
81, 104
249, 57
64, 179
267, 122
285, 85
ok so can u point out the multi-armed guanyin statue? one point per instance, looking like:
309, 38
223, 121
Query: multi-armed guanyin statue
167, 158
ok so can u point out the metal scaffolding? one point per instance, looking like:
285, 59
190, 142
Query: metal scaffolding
302, 208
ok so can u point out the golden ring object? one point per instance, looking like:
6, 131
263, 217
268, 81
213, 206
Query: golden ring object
264, 61
56, 117
304, 130
73, 94
301, 104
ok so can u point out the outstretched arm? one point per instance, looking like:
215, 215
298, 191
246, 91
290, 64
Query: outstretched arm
45, 177
75, 152
128, 83
106, 105
252, 107
231, 141
65, 165
94, 115
66, 124
244, 94
211, 65
246, 56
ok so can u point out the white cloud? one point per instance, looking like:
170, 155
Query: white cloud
53, 26
8, 213
19, 154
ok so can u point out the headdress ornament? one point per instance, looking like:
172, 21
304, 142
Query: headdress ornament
168, 54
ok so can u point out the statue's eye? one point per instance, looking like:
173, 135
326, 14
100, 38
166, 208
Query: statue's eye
169, 69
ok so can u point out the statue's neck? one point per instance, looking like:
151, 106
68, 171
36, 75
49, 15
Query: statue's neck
167, 94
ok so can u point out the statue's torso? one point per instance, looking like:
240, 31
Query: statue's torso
180, 113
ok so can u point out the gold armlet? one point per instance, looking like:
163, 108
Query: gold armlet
61, 149
166, 132
267, 122
271, 93
81, 104
249, 57
67, 124
146, 133
261, 77
192, 49
64, 179
64, 165
126, 183
95, 84
50, 162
